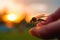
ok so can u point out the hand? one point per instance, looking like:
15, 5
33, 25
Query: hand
49, 29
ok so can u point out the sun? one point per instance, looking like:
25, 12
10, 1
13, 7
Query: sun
11, 17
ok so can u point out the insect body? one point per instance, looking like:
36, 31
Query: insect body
34, 19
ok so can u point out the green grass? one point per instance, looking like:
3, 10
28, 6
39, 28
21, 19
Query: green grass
17, 35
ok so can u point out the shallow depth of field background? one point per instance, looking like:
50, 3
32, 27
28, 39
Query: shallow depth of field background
15, 16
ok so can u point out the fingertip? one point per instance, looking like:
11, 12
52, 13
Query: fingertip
34, 31
31, 31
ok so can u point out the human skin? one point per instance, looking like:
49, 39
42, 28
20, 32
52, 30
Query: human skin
49, 29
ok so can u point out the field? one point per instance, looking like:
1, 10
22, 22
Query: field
16, 35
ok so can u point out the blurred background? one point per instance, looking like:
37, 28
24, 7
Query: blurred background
15, 17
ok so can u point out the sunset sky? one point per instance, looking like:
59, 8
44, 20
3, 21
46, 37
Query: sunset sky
36, 7
52, 4
31, 7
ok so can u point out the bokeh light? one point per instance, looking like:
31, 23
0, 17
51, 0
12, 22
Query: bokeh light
11, 17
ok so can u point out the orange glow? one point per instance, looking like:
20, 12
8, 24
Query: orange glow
14, 11
13, 17
9, 24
